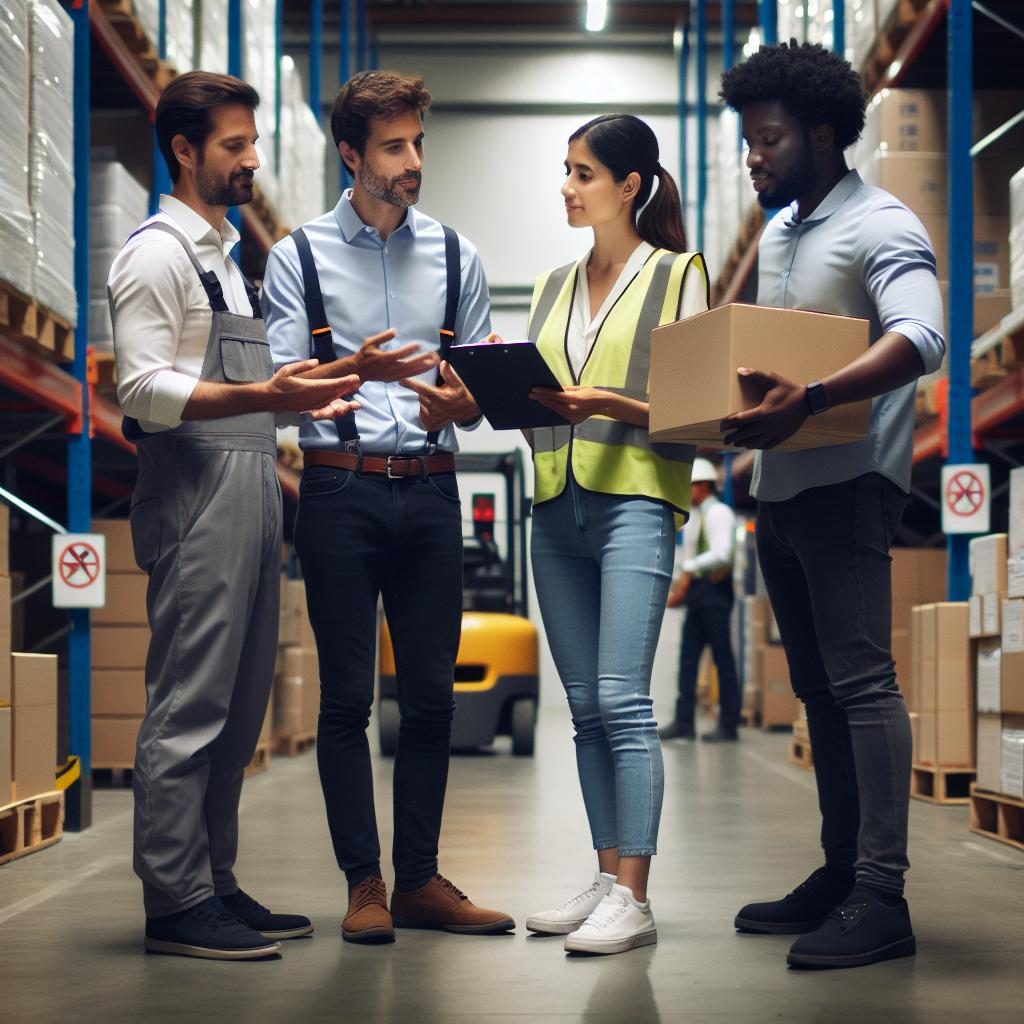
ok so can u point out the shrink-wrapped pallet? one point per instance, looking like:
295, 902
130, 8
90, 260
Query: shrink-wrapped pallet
213, 37
15, 213
51, 156
303, 151
1017, 240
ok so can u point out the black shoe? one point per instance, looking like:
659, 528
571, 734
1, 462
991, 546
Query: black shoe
207, 930
720, 735
677, 731
862, 931
257, 917
803, 910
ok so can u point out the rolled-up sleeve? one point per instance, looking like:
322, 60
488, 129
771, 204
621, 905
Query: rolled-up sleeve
148, 290
900, 277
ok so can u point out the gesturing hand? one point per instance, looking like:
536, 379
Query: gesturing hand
289, 391
779, 416
451, 402
574, 403
372, 363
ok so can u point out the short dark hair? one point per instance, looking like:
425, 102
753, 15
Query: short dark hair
815, 85
184, 109
375, 94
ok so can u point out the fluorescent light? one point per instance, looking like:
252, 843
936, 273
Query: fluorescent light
597, 14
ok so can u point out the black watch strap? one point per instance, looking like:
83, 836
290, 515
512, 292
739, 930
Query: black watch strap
817, 398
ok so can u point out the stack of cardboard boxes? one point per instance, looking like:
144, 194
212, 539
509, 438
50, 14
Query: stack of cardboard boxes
28, 703
296, 700
942, 687
768, 694
120, 641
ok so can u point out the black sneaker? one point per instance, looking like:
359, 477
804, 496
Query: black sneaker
862, 931
720, 735
677, 731
207, 930
259, 919
803, 910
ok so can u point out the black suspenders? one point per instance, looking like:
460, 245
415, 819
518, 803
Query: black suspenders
320, 329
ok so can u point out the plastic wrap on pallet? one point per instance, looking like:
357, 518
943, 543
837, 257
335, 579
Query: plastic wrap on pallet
303, 152
213, 37
180, 28
1017, 240
15, 212
260, 28
51, 157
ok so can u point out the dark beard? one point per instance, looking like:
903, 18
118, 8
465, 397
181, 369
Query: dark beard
387, 190
236, 191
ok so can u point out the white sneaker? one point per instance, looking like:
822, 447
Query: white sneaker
569, 916
618, 923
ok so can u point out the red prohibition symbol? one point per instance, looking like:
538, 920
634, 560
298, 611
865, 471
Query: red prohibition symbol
79, 564
965, 493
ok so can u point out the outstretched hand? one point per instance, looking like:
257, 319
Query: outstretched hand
449, 402
289, 391
373, 363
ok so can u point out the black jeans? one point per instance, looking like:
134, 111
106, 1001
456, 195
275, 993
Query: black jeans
708, 623
357, 537
825, 558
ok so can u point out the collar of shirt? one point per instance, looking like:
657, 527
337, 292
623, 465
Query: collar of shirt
841, 191
353, 227
198, 228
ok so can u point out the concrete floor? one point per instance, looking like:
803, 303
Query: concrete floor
739, 823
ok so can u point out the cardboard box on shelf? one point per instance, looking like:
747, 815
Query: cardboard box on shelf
988, 751
114, 739
33, 723
1015, 532
119, 691
120, 551
126, 600
1011, 770
991, 249
120, 646
1011, 689
779, 705
1015, 576
693, 378
6, 757
987, 560
989, 309
988, 672
1012, 626
946, 738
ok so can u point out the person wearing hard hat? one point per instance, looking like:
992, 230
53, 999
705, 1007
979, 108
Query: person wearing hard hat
704, 587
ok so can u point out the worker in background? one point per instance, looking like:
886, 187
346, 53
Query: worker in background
827, 516
197, 387
704, 587
379, 512
607, 504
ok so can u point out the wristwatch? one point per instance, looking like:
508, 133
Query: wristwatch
817, 398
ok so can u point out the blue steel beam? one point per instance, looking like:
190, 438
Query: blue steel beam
768, 14
316, 55
161, 176
702, 117
78, 808
728, 34
839, 27
960, 80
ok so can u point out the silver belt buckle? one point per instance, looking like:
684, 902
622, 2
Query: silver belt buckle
387, 469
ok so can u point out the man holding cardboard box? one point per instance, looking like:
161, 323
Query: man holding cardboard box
827, 515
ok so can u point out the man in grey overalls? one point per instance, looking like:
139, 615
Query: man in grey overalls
196, 382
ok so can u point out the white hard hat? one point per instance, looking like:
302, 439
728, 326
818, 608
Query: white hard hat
703, 472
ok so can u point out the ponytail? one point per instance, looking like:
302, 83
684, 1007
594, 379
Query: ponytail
624, 143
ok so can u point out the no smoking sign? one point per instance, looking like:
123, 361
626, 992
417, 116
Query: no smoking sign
966, 494
79, 570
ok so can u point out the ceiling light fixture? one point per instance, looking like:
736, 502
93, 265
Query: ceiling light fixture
597, 15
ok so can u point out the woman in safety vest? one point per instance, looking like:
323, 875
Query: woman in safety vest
607, 505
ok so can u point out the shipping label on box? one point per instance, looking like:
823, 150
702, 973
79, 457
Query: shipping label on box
989, 676
1015, 576
694, 384
990, 614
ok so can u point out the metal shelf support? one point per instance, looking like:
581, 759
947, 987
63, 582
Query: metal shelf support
768, 15
839, 27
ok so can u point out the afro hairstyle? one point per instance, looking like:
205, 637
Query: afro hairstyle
815, 85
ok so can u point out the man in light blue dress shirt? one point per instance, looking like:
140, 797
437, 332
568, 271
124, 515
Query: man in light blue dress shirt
827, 516
379, 512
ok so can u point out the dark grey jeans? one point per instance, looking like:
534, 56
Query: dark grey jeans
825, 558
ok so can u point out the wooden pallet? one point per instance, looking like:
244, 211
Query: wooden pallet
30, 825
294, 743
997, 816
23, 319
939, 785
260, 759
800, 745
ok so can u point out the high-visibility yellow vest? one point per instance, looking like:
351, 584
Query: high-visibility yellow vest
608, 455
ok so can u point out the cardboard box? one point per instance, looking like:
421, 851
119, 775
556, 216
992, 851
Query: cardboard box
1015, 533
119, 691
1015, 576
126, 600
5, 640
34, 723
1011, 691
988, 751
946, 738
988, 672
779, 705
6, 757
991, 249
293, 611
120, 550
989, 309
1012, 632
113, 741
974, 617
915, 737
987, 560
693, 380
991, 619
120, 646
1011, 773
946, 676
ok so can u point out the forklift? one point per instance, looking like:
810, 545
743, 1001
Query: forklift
496, 671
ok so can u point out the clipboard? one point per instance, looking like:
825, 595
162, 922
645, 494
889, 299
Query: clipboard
500, 376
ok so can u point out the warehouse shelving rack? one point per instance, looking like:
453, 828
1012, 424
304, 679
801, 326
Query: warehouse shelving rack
931, 44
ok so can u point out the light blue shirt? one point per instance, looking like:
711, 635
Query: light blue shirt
372, 284
861, 253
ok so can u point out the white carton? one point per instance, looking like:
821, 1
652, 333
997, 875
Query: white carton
989, 676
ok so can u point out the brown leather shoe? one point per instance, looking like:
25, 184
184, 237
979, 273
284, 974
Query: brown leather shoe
368, 920
438, 904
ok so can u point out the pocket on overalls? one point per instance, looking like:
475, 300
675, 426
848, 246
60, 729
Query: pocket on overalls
245, 360
144, 518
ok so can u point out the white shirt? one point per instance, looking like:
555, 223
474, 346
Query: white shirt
162, 316
585, 327
719, 526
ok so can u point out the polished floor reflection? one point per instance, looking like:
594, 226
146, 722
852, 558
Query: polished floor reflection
739, 823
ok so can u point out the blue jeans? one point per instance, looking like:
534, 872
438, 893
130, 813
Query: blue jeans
602, 566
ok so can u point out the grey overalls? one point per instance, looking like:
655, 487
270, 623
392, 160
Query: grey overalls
206, 526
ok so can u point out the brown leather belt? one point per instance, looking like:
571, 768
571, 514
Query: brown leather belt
394, 467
